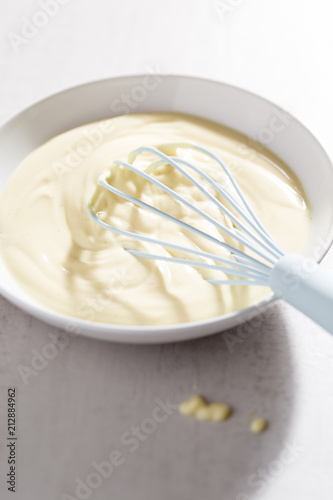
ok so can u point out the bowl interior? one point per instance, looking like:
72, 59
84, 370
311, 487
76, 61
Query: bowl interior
234, 107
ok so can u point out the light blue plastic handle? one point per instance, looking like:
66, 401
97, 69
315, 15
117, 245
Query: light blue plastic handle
306, 286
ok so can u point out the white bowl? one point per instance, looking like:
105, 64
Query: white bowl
216, 101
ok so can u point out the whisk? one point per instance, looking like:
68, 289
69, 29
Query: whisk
296, 279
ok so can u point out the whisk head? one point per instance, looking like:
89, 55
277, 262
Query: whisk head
245, 228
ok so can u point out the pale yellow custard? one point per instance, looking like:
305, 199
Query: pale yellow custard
258, 425
66, 262
196, 406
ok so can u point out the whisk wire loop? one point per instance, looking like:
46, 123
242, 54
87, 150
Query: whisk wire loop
243, 268
265, 242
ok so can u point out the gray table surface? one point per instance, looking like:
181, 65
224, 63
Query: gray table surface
80, 407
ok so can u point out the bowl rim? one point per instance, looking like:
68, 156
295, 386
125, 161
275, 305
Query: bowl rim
128, 333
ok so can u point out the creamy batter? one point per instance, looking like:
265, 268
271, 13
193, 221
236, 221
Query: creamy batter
196, 406
258, 425
66, 262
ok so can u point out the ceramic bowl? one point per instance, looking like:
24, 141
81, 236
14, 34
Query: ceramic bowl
231, 106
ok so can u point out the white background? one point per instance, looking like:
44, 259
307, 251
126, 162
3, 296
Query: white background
74, 412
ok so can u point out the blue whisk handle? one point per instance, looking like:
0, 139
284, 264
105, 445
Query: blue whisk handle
305, 285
